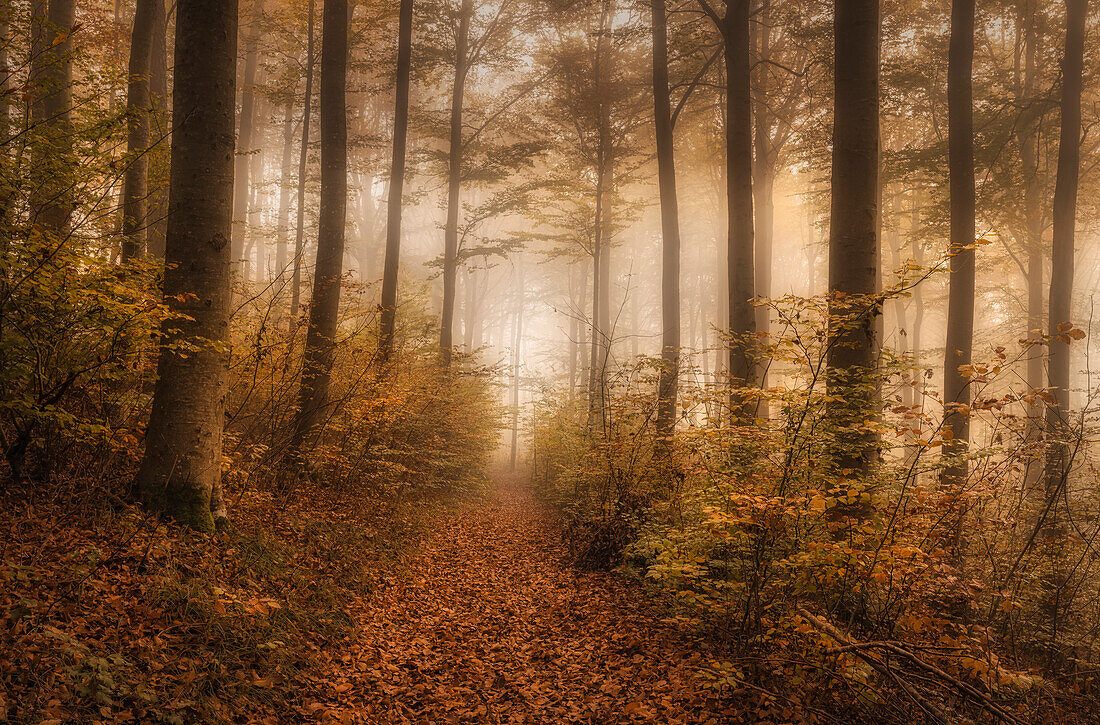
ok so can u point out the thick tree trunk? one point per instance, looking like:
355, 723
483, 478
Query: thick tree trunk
854, 237
740, 259
670, 229
324, 305
454, 184
388, 313
244, 136
183, 447
960, 309
135, 185
303, 161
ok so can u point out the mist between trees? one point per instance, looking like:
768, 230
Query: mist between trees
782, 308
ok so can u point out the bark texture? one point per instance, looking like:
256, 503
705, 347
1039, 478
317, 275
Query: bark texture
854, 235
183, 447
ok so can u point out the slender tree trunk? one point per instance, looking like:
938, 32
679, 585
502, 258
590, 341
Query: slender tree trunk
135, 185
854, 238
160, 121
282, 235
517, 343
960, 312
454, 184
244, 135
388, 316
183, 446
764, 190
1028, 137
324, 305
303, 161
670, 230
8, 181
1061, 272
742, 313
50, 81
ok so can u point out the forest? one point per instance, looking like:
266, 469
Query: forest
549, 361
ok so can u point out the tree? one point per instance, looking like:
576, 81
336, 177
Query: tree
138, 104
734, 29
303, 159
183, 446
854, 233
324, 308
454, 178
388, 316
1060, 326
670, 227
50, 81
960, 314
244, 136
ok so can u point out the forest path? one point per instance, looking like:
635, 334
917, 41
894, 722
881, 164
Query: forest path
489, 623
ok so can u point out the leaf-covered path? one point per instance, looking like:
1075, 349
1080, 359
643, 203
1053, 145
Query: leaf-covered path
490, 624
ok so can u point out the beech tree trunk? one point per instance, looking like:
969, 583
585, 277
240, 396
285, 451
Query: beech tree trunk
670, 230
740, 242
324, 305
1027, 135
303, 160
960, 308
854, 236
1061, 272
454, 184
160, 124
282, 234
50, 80
763, 189
135, 185
244, 137
388, 312
183, 445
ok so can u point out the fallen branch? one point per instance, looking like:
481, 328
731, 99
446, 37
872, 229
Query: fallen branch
860, 650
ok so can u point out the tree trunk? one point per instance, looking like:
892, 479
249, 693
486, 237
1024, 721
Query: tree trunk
160, 121
670, 230
324, 305
854, 238
960, 308
388, 316
282, 235
244, 136
303, 160
764, 189
135, 183
50, 80
517, 343
1061, 271
742, 313
1028, 137
183, 447
454, 184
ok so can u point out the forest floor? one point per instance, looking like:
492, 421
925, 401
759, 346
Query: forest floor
489, 622
325, 607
